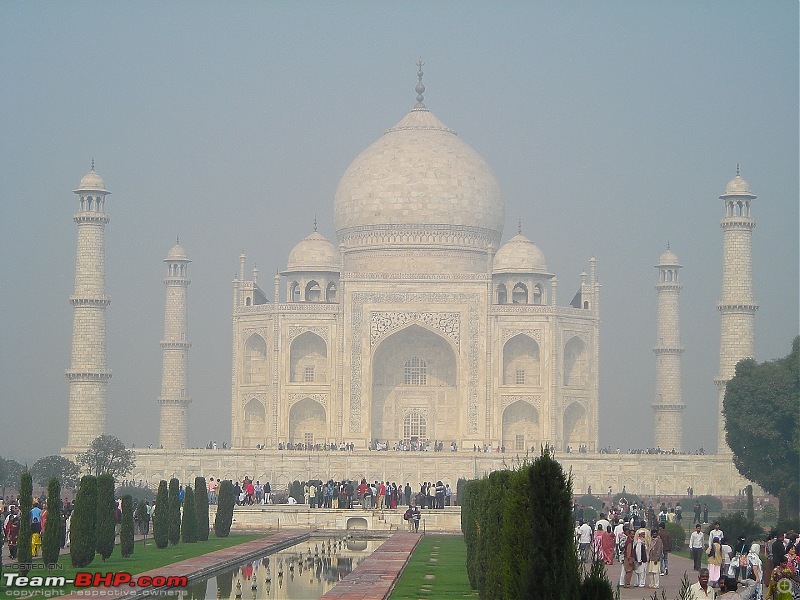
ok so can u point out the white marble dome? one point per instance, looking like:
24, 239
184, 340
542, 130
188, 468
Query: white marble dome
668, 259
419, 184
314, 253
519, 255
92, 182
177, 253
737, 187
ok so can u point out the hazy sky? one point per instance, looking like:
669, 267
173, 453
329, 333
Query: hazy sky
613, 127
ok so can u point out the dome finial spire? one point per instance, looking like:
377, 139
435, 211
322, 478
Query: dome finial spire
420, 89
93, 163
737, 168
667, 244
519, 226
315, 221
177, 239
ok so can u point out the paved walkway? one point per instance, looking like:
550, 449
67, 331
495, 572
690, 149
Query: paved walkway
671, 583
207, 564
375, 577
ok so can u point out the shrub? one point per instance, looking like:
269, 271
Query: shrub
201, 508
24, 536
189, 522
161, 516
553, 570
460, 489
629, 496
173, 512
713, 503
514, 547
104, 524
470, 511
82, 527
677, 535
595, 585
225, 503
589, 514
491, 530
590, 500
737, 524
137, 492
296, 491
51, 536
126, 545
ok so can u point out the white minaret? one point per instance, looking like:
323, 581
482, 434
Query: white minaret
667, 404
174, 398
88, 374
737, 307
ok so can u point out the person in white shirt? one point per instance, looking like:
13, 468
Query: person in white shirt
696, 545
584, 539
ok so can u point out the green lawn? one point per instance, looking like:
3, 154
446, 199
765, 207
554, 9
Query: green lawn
437, 569
145, 558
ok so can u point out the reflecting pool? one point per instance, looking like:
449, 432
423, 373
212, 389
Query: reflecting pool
301, 572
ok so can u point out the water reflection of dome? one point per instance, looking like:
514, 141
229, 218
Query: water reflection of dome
357, 545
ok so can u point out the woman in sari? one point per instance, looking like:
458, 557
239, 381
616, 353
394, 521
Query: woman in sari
608, 546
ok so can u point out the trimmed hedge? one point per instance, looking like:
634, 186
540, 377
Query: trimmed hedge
126, 544
82, 527
161, 516
201, 507
173, 512
51, 536
518, 531
104, 523
189, 522
225, 503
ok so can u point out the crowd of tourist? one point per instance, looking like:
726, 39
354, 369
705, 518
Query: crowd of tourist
10, 517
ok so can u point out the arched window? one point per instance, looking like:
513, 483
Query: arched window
294, 292
519, 295
415, 426
538, 296
502, 294
247, 301
415, 372
313, 292
330, 293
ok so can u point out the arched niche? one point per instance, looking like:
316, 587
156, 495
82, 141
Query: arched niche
519, 295
255, 366
254, 423
313, 292
521, 429
576, 426
307, 422
308, 359
521, 361
575, 363
502, 294
414, 368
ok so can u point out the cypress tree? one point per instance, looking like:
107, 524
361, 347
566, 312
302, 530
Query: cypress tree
553, 571
51, 537
173, 513
25, 505
201, 506
82, 531
224, 518
492, 528
189, 521
471, 514
126, 545
140, 516
514, 541
161, 517
104, 525
751, 513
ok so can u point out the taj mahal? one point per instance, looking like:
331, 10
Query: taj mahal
417, 325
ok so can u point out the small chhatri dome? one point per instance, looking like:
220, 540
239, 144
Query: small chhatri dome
177, 253
519, 255
668, 259
737, 187
314, 253
92, 182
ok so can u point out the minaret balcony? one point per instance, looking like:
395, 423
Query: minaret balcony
91, 217
81, 375
100, 301
668, 350
176, 344
174, 401
745, 307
